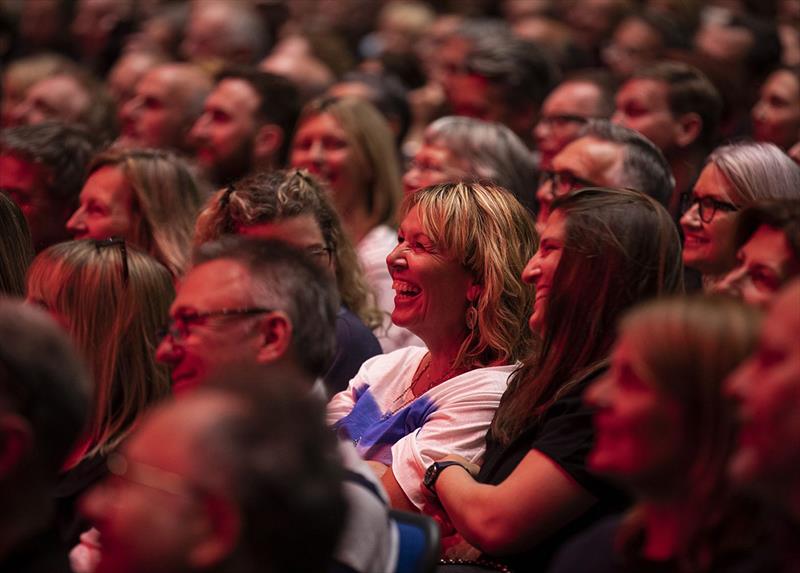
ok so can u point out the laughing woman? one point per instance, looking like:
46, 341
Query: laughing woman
455, 270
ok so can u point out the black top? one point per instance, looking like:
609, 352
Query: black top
564, 434
71, 486
355, 343
42, 553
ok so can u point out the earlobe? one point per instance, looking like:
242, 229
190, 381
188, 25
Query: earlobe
690, 127
15, 440
268, 141
275, 331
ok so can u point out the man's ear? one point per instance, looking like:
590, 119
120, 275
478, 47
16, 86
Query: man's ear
16, 439
275, 330
690, 125
268, 141
220, 534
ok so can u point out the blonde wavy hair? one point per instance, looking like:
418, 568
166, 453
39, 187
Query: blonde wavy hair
278, 195
112, 302
166, 200
374, 149
492, 235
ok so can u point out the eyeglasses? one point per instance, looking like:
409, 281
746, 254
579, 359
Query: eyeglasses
707, 207
116, 242
323, 254
149, 476
178, 328
563, 182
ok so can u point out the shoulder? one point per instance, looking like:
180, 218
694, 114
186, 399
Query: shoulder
590, 552
397, 363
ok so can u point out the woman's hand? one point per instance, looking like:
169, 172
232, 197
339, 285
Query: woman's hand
473, 469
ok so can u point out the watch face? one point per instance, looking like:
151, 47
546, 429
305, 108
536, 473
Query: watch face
430, 475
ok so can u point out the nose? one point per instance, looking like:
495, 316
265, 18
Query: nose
411, 180
198, 131
732, 282
20, 113
94, 504
76, 224
758, 110
738, 383
396, 258
131, 108
598, 395
541, 130
691, 218
168, 351
532, 271
316, 152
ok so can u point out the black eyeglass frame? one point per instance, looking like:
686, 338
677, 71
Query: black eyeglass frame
689, 200
171, 328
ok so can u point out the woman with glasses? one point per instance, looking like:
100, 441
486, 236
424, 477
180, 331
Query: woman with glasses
111, 298
146, 197
456, 268
347, 144
601, 252
667, 431
734, 177
292, 206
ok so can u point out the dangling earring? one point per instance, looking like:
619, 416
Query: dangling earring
472, 317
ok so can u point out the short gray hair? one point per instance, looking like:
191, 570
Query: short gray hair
644, 167
491, 151
757, 171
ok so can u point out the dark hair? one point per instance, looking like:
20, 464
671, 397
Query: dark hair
621, 247
279, 100
279, 465
16, 248
644, 167
286, 279
388, 95
279, 195
42, 379
600, 78
689, 91
61, 150
783, 216
521, 68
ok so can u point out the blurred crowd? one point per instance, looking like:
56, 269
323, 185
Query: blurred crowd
279, 278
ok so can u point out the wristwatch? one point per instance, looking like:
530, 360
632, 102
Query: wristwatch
433, 471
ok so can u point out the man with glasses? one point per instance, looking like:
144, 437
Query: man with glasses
44, 405
606, 155
266, 309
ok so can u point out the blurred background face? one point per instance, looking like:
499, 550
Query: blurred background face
323, 147
708, 246
433, 164
642, 106
638, 427
776, 115
106, 205
764, 264
767, 387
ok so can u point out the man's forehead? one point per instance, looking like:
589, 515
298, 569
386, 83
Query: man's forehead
220, 283
587, 155
652, 91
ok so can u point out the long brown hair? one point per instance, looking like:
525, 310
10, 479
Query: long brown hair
621, 247
16, 248
113, 302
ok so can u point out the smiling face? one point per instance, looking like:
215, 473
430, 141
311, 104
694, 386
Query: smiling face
224, 135
764, 263
541, 269
639, 436
432, 289
767, 387
106, 207
212, 345
322, 146
776, 115
709, 247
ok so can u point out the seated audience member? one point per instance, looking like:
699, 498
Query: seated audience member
347, 144
666, 430
776, 114
464, 149
98, 30
264, 308
767, 240
42, 169
601, 252
16, 249
495, 76
126, 72
566, 110
292, 206
147, 197
167, 101
385, 92
19, 75
111, 299
461, 249
640, 40
71, 96
223, 33
223, 481
767, 388
43, 406
246, 125
734, 177
678, 108
297, 57
606, 155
